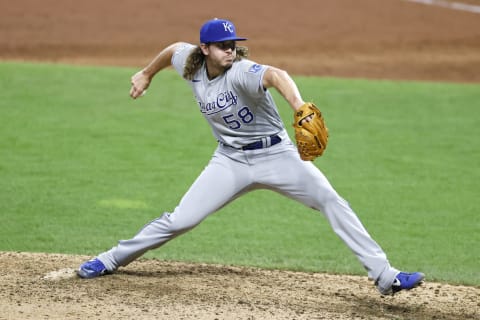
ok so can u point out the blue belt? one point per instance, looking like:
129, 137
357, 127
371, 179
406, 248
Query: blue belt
264, 143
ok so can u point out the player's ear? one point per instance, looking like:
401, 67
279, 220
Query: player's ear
205, 48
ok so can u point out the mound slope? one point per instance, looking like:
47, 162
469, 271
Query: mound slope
44, 286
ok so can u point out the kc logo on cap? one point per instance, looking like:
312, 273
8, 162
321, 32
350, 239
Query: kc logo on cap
218, 30
228, 26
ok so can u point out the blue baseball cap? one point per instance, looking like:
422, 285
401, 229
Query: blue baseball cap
218, 30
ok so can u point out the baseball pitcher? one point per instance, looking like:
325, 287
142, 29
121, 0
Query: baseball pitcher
254, 152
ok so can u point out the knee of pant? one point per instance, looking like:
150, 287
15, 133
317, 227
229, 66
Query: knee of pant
179, 225
181, 228
328, 198
332, 196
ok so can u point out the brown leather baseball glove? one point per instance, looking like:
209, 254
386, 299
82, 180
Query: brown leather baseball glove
310, 132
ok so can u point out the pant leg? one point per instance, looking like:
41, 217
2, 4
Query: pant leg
304, 182
220, 182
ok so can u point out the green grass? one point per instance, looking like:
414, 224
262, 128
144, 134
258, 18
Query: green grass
82, 166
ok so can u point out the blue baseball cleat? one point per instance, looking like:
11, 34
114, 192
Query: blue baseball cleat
92, 269
407, 281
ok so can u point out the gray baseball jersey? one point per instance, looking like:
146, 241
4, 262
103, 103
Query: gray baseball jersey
240, 113
235, 104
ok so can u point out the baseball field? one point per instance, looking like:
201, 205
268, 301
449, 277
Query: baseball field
83, 166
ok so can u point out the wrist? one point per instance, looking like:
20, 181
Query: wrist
297, 104
147, 72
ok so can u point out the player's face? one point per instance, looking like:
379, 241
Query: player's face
225, 45
222, 54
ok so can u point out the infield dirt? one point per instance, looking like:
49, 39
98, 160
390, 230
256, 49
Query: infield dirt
44, 286
382, 39
370, 38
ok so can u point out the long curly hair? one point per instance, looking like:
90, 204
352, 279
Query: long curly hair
196, 59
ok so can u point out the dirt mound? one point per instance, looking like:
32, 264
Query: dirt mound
44, 286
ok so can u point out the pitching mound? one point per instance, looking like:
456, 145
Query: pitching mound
44, 286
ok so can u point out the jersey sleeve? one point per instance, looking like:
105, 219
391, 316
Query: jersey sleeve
180, 56
249, 77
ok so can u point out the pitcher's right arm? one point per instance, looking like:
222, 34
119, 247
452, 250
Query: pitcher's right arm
142, 79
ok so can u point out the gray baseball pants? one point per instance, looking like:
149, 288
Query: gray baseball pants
231, 173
